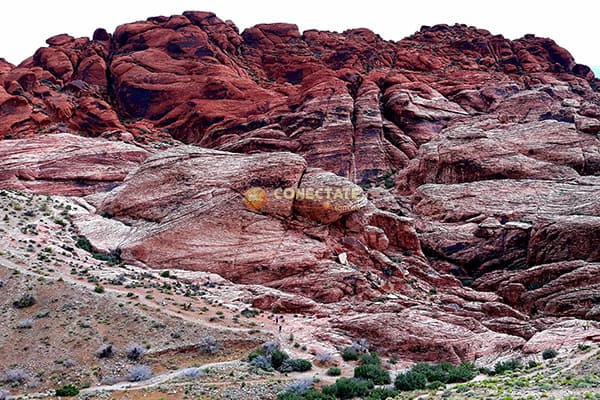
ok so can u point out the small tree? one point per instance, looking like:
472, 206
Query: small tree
334, 371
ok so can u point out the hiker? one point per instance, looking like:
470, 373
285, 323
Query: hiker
276, 319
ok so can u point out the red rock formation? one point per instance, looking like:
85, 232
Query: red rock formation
475, 155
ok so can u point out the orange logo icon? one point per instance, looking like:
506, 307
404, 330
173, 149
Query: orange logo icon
255, 198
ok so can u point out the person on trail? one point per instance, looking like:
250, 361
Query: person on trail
276, 319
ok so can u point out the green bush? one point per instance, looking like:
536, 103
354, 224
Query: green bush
509, 365
277, 358
299, 364
549, 353
253, 355
435, 385
347, 388
289, 396
99, 288
410, 381
350, 354
370, 358
67, 391
446, 372
373, 372
314, 395
334, 371
382, 394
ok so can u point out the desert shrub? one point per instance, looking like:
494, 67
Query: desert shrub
382, 394
289, 396
262, 362
315, 395
105, 351
583, 347
350, 354
25, 324
299, 388
509, 365
549, 353
249, 312
27, 300
410, 381
348, 388
84, 244
334, 371
277, 358
166, 274
135, 351
532, 364
139, 373
370, 358
67, 391
446, 372
193, 373
297, 364
99, 288
1, 283
361, 345
208, 345
269, 348
323, 358
373, 372
15, 376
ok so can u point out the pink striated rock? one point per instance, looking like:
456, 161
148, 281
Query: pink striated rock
66, 164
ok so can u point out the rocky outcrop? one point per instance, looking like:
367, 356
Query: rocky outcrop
454, 152
66, 164
424, 337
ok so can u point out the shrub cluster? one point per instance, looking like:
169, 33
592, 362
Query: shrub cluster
270, 357
435, 376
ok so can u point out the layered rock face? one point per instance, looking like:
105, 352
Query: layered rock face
459, 155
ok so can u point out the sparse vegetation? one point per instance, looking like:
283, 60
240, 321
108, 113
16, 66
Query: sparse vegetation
334, 371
